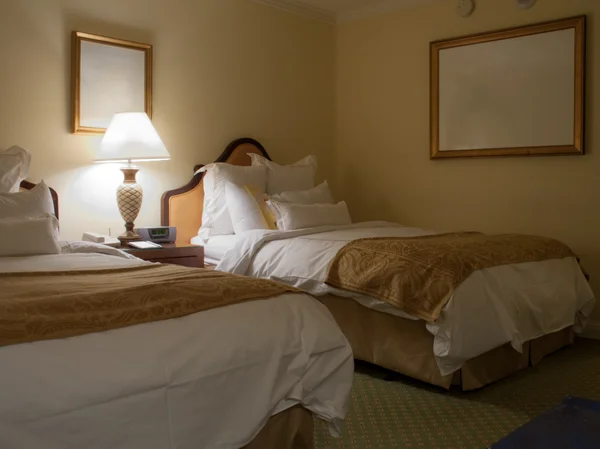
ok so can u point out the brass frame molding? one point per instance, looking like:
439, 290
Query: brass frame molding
513, 92
79, 123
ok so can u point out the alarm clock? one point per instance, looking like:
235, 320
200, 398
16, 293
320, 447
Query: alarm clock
159, 234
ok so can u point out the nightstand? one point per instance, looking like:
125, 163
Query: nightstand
186, 255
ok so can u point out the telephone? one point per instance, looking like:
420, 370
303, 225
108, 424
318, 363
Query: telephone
100, 238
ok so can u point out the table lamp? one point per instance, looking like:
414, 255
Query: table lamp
131, 137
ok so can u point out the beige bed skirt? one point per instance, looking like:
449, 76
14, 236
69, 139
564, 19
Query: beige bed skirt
290, 429
405, 346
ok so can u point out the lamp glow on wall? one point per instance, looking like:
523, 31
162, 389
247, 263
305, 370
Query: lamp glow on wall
131, 137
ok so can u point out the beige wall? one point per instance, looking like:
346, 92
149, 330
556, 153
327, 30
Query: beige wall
230, 68
382, 149
223, 69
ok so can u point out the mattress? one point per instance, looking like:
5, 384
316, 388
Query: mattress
210, 379
216, 247
511, 303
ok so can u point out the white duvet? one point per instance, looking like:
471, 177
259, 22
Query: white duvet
207, 380
510, 303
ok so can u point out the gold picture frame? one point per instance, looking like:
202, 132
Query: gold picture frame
513, 92
108, 76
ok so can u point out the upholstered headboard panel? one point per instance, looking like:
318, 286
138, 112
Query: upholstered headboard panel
183, 207
26, 185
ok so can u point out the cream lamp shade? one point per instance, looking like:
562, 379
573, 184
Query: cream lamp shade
131, 137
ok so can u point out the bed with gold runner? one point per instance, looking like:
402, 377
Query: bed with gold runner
419, 275
469, 342
454, 298
98, 346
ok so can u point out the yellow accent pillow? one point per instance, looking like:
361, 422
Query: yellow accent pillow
261, 201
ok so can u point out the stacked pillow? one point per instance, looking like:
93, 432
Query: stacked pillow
14, 165
284, 178
292, 216
317, 195
216, 219
28, 203
267, 195
248, 209
27, 221
29, 236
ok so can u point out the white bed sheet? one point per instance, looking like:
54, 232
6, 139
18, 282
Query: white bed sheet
511, 303
209, 380
215, 247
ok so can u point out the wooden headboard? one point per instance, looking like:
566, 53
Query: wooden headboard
183, 207
26, 185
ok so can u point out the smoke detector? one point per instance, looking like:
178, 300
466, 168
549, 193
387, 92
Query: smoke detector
525, 4
464, 8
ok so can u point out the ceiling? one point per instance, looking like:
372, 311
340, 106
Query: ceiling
341, 6
343, 10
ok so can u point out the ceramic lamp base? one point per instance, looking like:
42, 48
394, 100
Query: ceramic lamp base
128, 237
129, 200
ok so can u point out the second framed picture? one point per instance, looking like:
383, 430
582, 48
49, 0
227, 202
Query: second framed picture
108, 76
514, 92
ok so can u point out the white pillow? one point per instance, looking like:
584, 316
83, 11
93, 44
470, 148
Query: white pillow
29, 236
28, 203
14, 165
284, 178
292, 216
215, 215
244, 209
316, 195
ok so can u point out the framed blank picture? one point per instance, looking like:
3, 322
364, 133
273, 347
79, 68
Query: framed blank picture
109, 76
511, 92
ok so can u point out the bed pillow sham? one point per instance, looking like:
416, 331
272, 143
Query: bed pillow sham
316, 195
291, 216
216, 219
244, 209
28, 203
14, 165
29, 236
285, 178
262, 199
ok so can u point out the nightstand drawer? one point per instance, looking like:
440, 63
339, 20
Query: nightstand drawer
192, 261
188, 255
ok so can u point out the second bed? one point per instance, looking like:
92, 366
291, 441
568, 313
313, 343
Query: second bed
498, 322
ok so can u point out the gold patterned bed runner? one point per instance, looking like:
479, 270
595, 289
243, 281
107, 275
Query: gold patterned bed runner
48, 305
419, 274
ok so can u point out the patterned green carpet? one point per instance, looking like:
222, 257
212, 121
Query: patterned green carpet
409, 414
